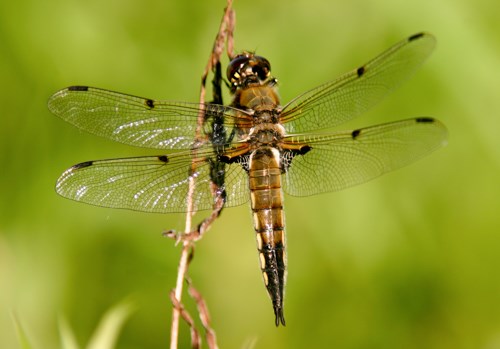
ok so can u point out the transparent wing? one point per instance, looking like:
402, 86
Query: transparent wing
343, 159
134, 120
338, 101
152, 183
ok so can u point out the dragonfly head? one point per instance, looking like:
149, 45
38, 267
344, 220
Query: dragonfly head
247, 68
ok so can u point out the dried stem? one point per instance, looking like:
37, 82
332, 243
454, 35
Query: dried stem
225, 34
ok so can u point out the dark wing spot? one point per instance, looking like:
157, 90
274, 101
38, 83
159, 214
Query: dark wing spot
415, 36
226, 159
360, 71
424, 120
355, 133
150, 103
304, 149
163, 158
78, 88
82, 165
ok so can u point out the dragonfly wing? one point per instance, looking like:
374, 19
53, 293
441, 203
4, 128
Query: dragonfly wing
152, 183
135, 120
344, 159
338, 101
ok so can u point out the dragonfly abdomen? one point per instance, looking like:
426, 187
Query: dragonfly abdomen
269, 222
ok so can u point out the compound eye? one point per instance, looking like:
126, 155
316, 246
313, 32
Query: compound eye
262, 67
235, 66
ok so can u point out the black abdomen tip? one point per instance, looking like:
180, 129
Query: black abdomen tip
280, 317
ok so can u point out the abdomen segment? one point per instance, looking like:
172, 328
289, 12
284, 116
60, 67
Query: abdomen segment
269, 223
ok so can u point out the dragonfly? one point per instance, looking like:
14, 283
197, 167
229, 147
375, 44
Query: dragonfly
254, 149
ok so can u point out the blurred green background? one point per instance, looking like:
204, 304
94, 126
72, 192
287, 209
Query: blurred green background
410, 260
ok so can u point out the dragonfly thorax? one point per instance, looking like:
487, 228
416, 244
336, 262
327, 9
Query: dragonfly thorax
268, 134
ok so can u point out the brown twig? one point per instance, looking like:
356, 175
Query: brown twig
225, 34
195, 336
204, 316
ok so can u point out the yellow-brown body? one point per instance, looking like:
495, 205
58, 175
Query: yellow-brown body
264, 134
